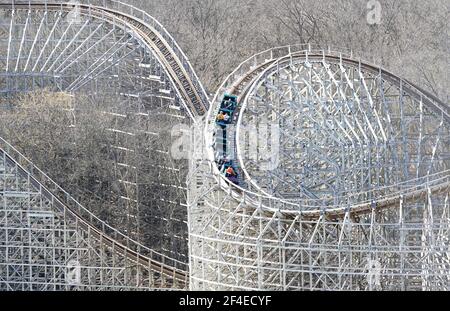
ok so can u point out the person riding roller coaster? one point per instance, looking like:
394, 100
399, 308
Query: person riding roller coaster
220, 116
227, 108
231, 174
223, 118
228, 104
226, 117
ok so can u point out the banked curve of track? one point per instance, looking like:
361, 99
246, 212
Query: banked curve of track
243, 82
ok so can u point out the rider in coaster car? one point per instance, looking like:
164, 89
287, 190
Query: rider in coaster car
231, 175
228, 104
220, 116
230, 172
226, 117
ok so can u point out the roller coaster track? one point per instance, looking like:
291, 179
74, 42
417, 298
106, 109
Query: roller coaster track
313, 243
188, 86
242, 87
85, 219
194, 97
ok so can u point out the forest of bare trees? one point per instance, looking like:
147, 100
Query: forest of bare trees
411, 38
